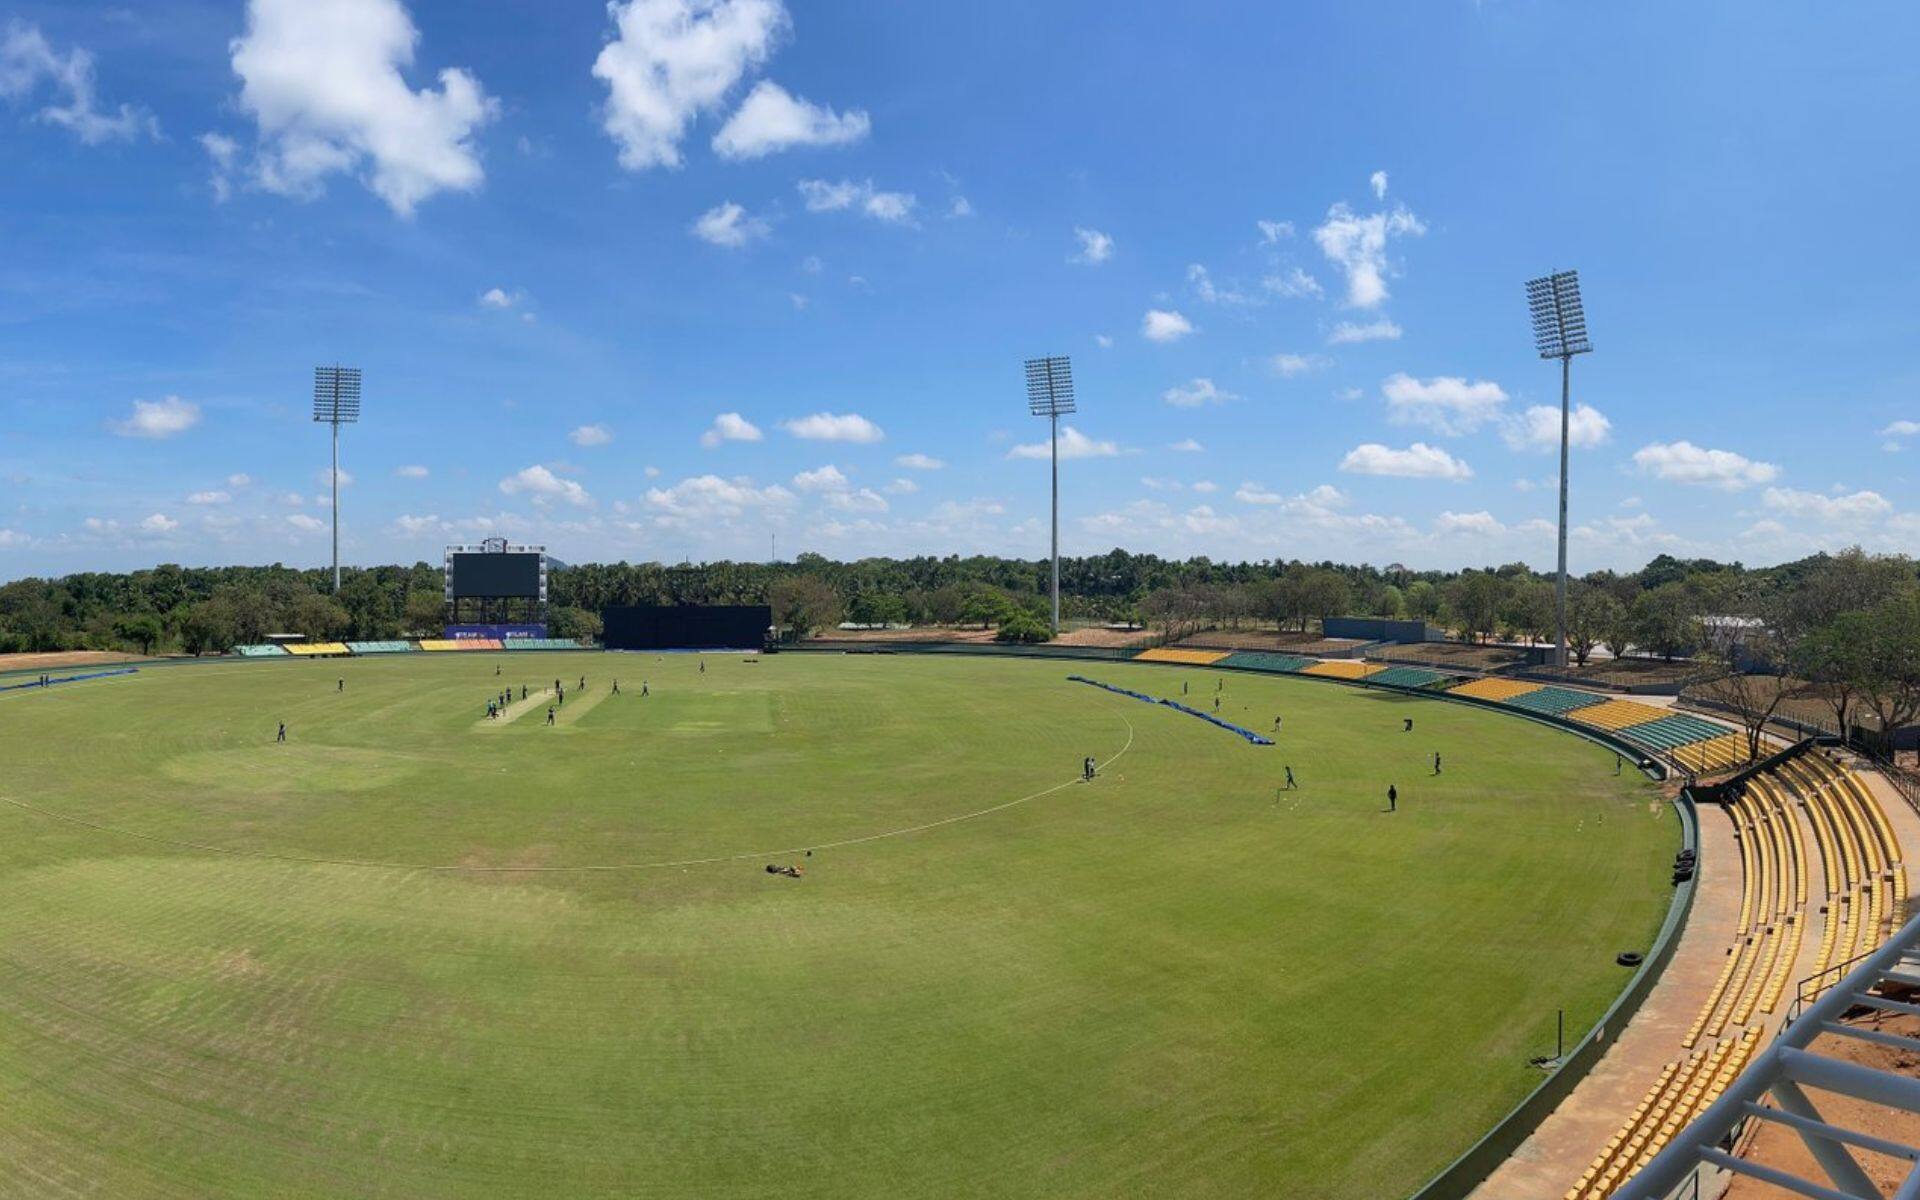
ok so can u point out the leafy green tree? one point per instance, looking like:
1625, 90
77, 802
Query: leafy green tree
142, 629
1666, 620
804, 603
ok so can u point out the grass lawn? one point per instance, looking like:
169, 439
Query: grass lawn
1171, 982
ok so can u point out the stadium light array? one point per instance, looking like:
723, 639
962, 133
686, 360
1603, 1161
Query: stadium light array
336, 402
1050, 395
1560, 331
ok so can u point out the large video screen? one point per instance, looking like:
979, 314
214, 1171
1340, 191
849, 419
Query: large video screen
687, 627
496, 575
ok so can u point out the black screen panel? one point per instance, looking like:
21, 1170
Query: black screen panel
496, 575
686, 627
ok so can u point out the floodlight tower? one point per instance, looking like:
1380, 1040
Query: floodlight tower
1050, 395
1560, 331
336, 402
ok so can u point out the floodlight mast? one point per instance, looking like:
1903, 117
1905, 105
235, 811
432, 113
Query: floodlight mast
336, 402
1050, 395
1560, 331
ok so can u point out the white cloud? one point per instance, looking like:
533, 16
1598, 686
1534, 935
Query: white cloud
960, 207
27, 60
706, 498
1446, 404
158, 523
830, 427
1378, 182
499, 298
1186, 446
1095, 247
1539, 428
1841, 507
895, 208
901, 487
1206, 486
1483, 523
1104, 341
591, 435
544, 486
1293, 284
1073, 444
212, 497
1289, 365
670, 60
1684, 462
1196, 393
305, 523
821, 479
857, 500
324, 477
1319, 502
413, 471
13, 539
1349, 332
1895, 432
1273, 231
158, 418
1418, 461
730, 427
1358, 246
771, 119
919, 462
1210, 292
239, 480
729, 225
417, 525
323, 84
1160, 325
225, 153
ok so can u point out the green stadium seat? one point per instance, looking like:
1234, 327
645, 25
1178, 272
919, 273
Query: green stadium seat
1411, 677
261, 651
1254, 660
1670, 732
541, 644
380, 647
1554, 700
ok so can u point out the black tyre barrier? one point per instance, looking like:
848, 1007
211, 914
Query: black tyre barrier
1629, 958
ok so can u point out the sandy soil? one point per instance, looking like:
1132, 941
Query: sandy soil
1112, 638
1776, 1146
63, 658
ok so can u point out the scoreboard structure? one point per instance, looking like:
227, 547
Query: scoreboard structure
687, 627
496, 589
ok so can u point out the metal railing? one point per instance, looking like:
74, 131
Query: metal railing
1784, 1070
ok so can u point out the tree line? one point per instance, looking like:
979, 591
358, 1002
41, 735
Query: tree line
1818, 617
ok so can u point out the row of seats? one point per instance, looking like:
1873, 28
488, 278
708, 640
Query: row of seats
1862, 894
1617, 714
1343, 668
1411, 677
1191, 658
317, 649
1721, 753
322, 649
1260, 660
1557, 701
1683, 1091
1494, 688
1671, 731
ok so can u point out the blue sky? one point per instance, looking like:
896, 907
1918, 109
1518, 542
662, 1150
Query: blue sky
662, 278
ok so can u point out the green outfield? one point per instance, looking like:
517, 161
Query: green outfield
412, 953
